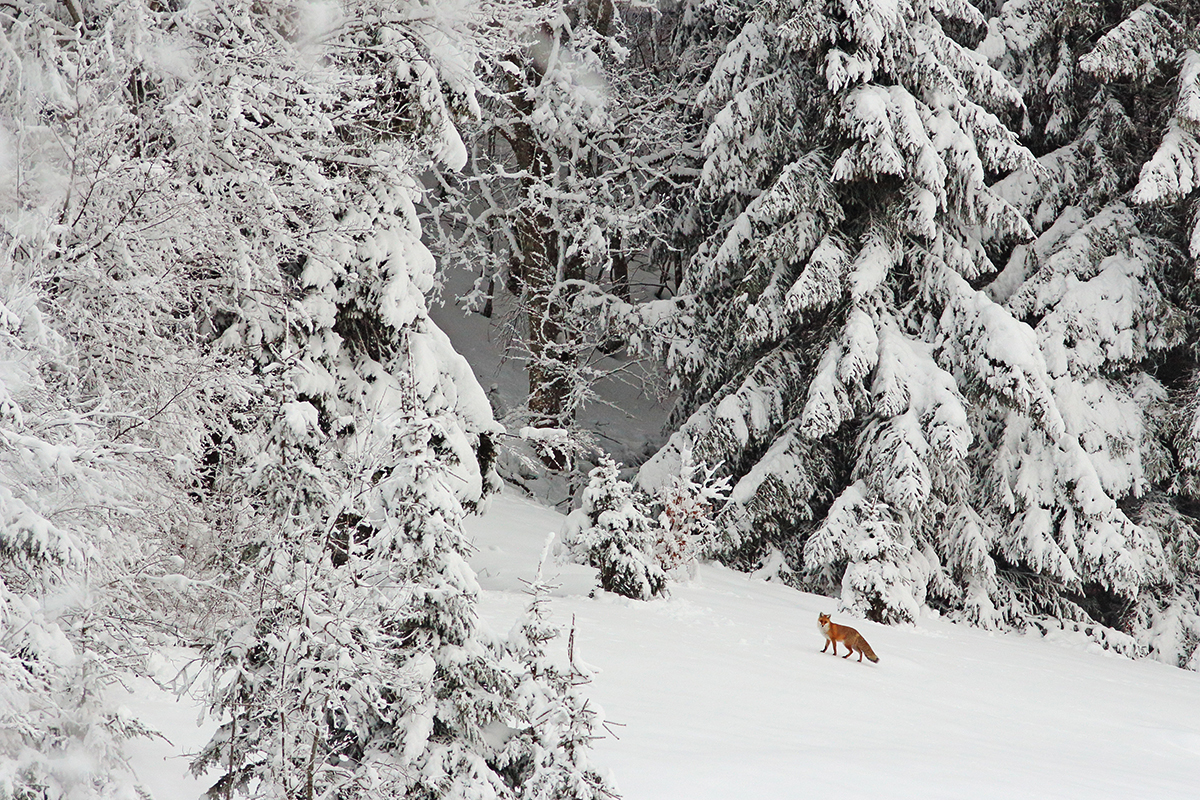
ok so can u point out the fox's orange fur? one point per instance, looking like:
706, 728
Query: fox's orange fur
853, 640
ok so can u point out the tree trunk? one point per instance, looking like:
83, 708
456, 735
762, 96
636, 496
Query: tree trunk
538, 270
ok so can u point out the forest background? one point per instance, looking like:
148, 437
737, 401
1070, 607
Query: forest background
918, 280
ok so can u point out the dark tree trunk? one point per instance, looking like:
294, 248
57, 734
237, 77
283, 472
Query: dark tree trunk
538, 270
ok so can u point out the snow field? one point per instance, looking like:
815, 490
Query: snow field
161, 764
721, 691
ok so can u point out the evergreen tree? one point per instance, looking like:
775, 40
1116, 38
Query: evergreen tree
363, 670
841, 355
1106, 290
902, 437
613, 532
547, 758
216, 291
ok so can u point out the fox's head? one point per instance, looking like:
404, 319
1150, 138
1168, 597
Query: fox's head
822, 620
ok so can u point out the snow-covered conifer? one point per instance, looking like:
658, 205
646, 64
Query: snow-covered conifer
847, 159
1101, 287
362, 670
547, 756
842, 361
614, 532
63, 490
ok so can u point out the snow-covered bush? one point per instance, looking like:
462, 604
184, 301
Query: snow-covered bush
547, 756
687, 526
614, 532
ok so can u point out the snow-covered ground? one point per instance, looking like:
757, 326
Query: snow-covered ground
161, 764
722, 691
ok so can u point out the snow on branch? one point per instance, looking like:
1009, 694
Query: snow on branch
1173, 172
1137, 48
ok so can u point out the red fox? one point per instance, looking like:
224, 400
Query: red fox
853, 640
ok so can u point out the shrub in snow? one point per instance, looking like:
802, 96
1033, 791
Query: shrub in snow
877, 552
613, 532
687, 527
546, 754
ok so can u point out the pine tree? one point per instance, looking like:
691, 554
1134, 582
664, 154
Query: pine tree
841, 360
613, 532
363, 670
547, 757
1105, 290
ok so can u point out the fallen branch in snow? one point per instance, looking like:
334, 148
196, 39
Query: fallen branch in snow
571, 648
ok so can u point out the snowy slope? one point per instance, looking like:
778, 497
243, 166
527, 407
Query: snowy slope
161, 764
722, 692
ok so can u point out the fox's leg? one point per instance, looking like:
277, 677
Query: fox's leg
826, 647
849, 651
860, 654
